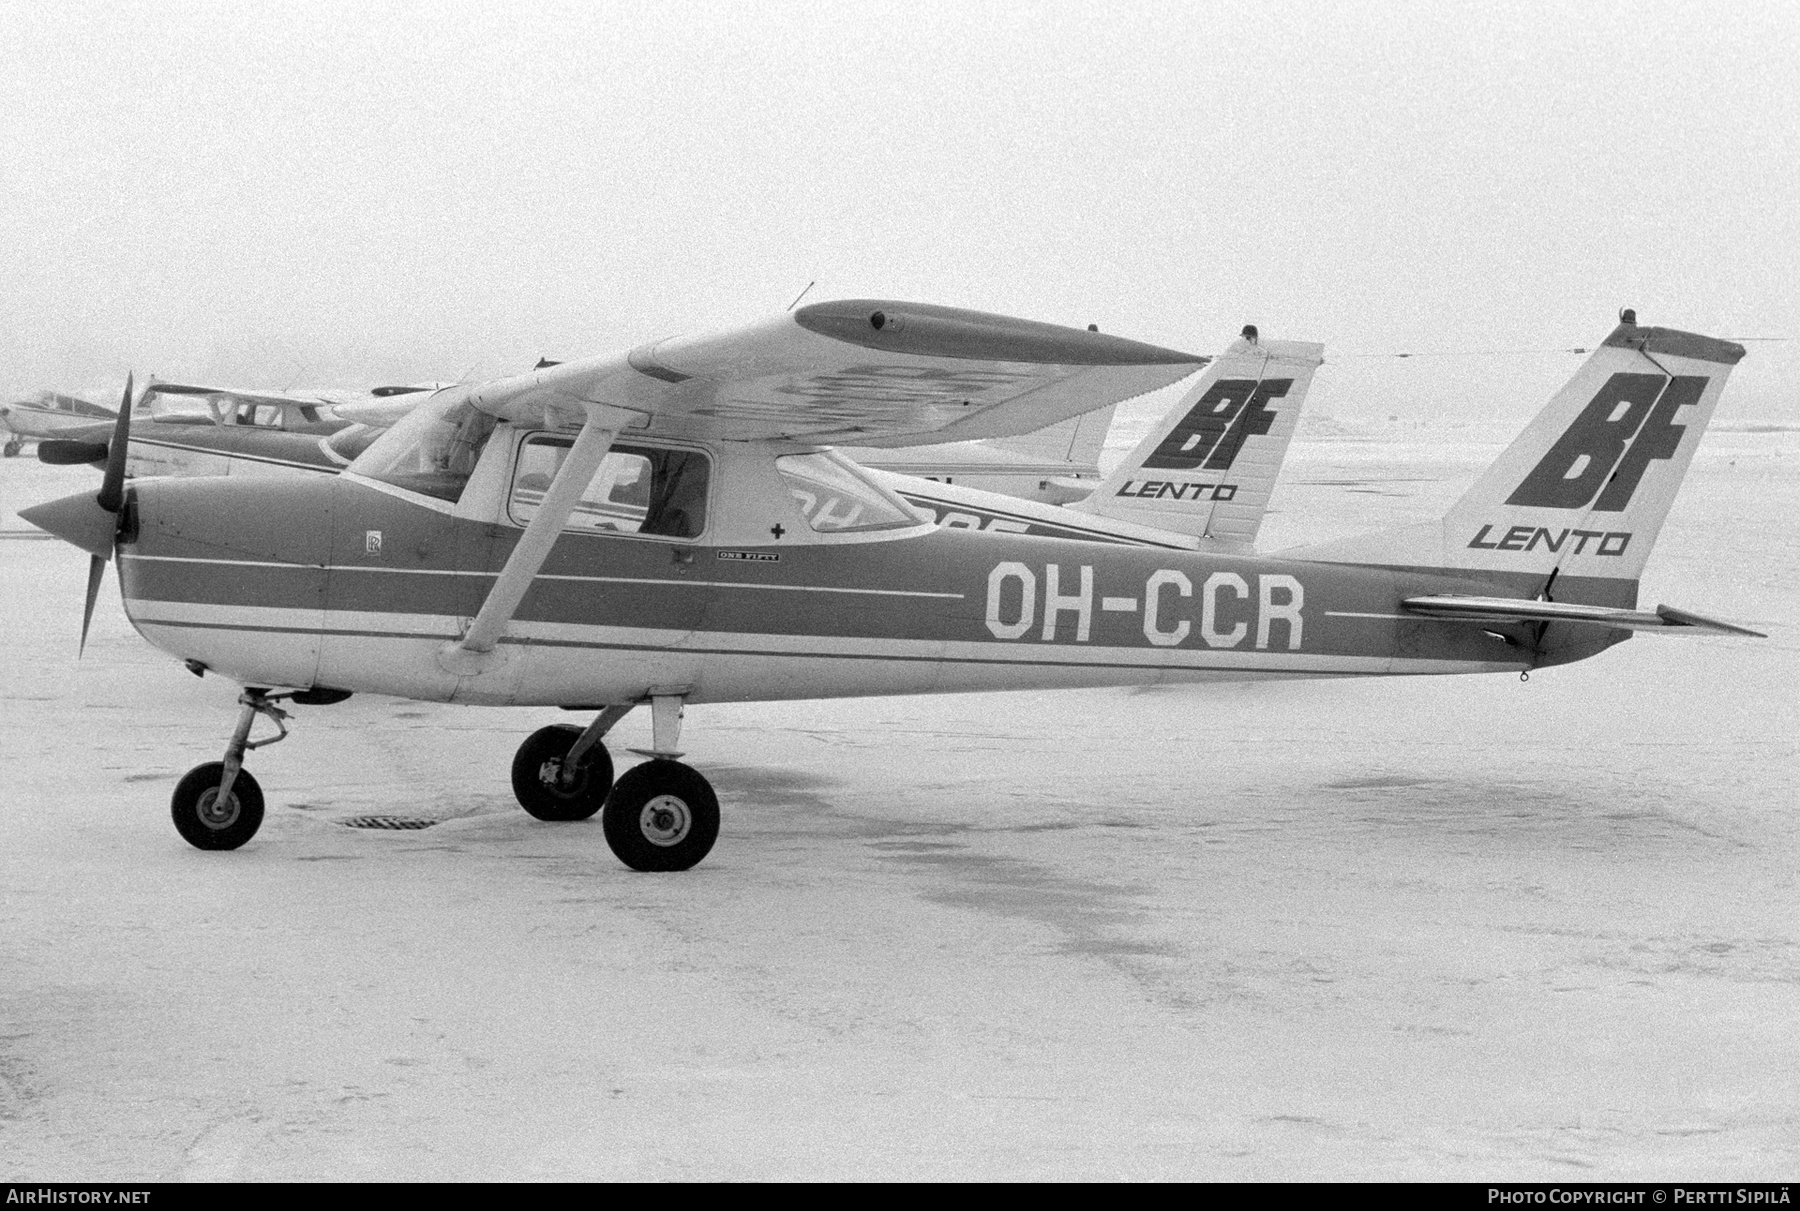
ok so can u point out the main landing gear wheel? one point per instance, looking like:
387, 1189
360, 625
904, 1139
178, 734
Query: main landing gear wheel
207, 823
13, 447
661, 815
546, 790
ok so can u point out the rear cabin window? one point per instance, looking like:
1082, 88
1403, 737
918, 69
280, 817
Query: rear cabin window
637, 490
837, 500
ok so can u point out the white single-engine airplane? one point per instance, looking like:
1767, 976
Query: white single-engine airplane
661, 527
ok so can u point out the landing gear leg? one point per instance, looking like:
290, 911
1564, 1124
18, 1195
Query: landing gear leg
218, 805
564, 773
662, 815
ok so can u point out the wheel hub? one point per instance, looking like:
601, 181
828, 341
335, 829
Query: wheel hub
665, 820
561, 779
215, 814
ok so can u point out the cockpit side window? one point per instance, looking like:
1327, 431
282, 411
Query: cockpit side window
433, 449
637, 490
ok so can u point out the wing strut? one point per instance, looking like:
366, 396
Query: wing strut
474, 652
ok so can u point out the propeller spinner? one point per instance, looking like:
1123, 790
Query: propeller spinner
93, 522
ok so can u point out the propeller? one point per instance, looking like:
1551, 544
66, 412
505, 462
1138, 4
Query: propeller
93, 522
111, 497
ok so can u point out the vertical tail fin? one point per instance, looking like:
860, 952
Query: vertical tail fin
1582, 493
1209, 465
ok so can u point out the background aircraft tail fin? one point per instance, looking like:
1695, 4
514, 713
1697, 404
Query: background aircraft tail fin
1208, 466
1571, 509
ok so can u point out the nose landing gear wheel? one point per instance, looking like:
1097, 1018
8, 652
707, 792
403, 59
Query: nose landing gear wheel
206, 823
538, 782
661, 815
13, 447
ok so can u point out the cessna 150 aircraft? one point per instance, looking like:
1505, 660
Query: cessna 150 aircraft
662, 527
48, 414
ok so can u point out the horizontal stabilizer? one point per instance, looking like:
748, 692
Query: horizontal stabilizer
1457, 608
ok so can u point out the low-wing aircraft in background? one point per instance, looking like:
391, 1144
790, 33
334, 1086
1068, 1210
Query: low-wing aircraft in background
454, 560
48, 414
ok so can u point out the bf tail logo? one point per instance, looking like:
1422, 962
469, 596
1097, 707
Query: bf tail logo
1214, 429
1611, 444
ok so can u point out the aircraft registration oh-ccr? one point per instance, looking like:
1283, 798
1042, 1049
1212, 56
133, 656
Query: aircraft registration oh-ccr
664, 527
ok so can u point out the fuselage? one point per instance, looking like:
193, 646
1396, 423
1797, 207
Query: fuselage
346, 583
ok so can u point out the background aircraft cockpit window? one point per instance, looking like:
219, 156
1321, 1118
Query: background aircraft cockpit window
180, 409
637, 490
266, 415
433, 449
835, 499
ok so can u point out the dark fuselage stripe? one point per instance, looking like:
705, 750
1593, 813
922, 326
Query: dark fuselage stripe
334, 569
696, 651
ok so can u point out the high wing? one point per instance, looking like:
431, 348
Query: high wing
378, 407
864, 371
276, 398
861, 372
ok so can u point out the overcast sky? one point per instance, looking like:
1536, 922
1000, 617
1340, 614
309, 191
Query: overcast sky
343, 195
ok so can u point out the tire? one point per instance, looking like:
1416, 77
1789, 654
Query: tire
534, 771
661, 815
13, 448
192, 808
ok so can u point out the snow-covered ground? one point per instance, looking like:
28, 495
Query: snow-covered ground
1432, 928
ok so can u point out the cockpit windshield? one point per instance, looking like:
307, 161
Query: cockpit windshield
433, 449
